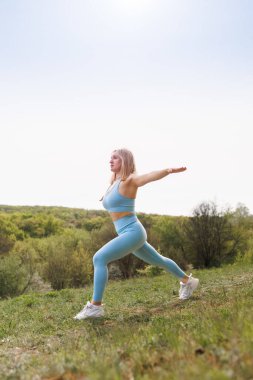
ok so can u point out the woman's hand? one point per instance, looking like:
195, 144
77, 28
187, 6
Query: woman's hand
177, 170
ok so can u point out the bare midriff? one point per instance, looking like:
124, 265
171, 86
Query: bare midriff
117, 215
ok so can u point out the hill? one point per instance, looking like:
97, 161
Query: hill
147, 332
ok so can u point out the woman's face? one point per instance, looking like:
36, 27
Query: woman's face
115, 163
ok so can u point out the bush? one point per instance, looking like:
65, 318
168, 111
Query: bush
167, 234
9, 233
68, 263
66, 268
40, 225
151, 271
13, 276
17, 269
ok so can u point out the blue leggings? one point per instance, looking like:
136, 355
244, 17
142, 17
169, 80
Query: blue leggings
131, 239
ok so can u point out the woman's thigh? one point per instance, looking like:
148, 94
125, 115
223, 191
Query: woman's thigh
119, 247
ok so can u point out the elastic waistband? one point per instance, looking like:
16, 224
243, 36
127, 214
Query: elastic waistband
124, 221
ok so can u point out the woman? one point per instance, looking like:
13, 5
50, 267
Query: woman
119, 200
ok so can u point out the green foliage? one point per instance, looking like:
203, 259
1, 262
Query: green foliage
38, 225
212, 238
247, 256
13, 276
58, 243
100, 237
94, 223
70, 217
9, 233
242, 223
167, 234
151, 271
17, 269
67, 262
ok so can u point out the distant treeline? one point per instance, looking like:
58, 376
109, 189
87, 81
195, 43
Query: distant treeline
42, 247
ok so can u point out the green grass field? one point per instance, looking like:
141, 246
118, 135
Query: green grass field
147, 332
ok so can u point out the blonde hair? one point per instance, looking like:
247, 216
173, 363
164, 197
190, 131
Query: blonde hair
127, 164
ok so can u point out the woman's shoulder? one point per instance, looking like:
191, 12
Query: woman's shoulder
130, 179
130, 182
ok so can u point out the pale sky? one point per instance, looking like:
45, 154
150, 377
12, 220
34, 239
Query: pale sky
171, 80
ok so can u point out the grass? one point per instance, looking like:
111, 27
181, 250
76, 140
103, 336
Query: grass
147, 332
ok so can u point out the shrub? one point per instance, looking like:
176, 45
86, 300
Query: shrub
13, 276
39, 225
151, 271
9, 233
67, 263
167, 235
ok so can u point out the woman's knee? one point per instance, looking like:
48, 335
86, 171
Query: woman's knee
98, 259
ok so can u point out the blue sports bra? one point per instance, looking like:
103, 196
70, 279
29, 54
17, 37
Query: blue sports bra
113, 201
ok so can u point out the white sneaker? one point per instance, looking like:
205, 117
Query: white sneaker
187, 289
90, 311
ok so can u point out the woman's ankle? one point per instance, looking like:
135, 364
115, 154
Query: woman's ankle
185, 279
96, 303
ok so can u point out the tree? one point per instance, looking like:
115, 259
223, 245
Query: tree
211, 237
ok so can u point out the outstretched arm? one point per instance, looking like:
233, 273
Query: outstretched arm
141, 180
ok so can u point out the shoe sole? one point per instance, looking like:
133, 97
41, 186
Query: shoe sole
90, 316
